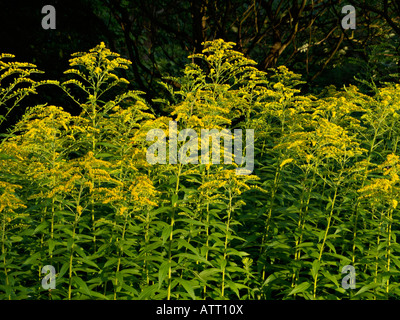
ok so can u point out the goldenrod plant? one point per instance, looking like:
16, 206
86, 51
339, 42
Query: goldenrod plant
15, 83
78, 192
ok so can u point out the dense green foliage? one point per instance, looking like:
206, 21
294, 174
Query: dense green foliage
77, 193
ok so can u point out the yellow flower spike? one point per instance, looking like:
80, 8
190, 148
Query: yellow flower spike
284, 162
79, 210
122, 210
309, 157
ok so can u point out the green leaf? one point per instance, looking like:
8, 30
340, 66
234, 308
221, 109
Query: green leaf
32, 259
187, 245
321, 235
110, 262
81, 286
191, 221
51, 244
234, 252
16, 239
87, 261
104, 155
98, 295
236, 287
64, 269
187, 210
188, 287
80, 251
367, 287
305, 244
153, 246
162, 273
331, 278
174, 199
193, 257
148, 291
166, 233
271, 278
331, 246
207, 274
120, 277
315, 268
41, 227
300, 288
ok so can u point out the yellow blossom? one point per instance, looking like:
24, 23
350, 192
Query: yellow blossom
286, 162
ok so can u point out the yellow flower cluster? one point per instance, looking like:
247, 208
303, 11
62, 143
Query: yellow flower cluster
226, 180
16, 75
9, 201
100, 65
384, 190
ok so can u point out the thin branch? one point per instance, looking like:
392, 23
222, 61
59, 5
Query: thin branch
330, 57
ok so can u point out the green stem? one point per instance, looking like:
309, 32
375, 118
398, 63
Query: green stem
302, 219
324, 240
378, 240
146, 241
207, 231
71, 253
119, 257
389, 233
227, 234
267, 222
3, 251
171, 234
353, 258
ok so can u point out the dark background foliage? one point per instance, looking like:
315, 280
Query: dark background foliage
158, 35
